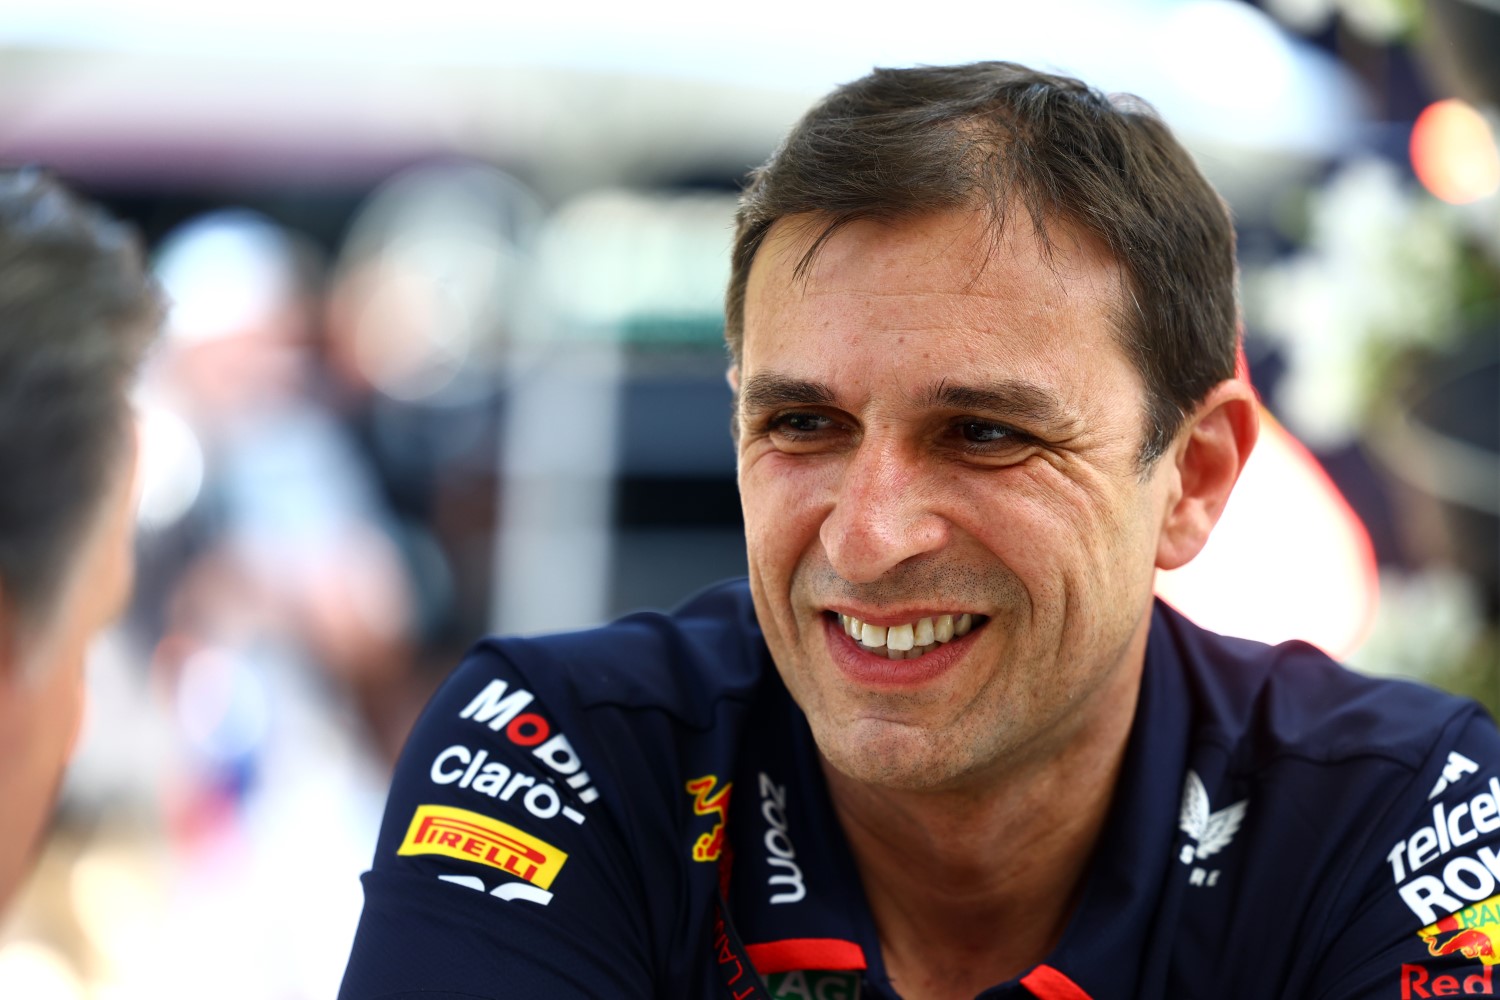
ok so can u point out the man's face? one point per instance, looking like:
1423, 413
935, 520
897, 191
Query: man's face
923, 434
42, 687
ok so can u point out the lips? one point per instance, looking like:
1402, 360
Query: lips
879, 667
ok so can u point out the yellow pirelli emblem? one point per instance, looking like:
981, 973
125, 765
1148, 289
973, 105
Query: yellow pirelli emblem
470, 836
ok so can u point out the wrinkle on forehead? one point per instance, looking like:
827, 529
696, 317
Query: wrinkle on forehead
969, 247
971, 243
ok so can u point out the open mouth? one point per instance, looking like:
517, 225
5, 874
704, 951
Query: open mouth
909, 640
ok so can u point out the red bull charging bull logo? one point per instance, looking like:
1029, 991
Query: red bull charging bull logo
1473, 932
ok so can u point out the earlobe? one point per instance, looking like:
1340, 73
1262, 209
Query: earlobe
1210, 452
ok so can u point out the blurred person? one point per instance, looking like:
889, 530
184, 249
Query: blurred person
77, 312
285, 619
945, 742
290, 536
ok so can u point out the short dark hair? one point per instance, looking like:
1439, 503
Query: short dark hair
900, 142
78, 307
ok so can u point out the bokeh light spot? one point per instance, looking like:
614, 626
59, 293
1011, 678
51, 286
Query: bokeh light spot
1453, 153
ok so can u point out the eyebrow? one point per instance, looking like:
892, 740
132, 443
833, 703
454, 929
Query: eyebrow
1021, 400
764, 391
1016, 400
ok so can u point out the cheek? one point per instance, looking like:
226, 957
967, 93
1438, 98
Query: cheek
60, 701
1060, 536
783, 501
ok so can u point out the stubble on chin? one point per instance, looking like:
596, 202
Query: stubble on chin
897, 755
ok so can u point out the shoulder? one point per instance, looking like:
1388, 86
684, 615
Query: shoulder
1294, 701
551, 775
1370, 810
620, 711
682, 664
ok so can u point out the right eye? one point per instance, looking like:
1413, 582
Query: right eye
802, 430
795, 424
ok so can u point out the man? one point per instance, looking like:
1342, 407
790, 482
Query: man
77, 311
983, 335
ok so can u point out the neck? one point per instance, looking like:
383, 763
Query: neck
971, 887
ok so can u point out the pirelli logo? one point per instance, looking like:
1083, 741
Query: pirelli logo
471, 836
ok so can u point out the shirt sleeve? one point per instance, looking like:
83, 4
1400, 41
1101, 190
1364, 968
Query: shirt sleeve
1422, 915
500, 871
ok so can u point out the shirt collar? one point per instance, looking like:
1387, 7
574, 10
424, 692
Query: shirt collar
793, 879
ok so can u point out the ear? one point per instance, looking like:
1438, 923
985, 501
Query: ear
732, 376
1207, 456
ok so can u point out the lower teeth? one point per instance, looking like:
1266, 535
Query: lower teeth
899, 654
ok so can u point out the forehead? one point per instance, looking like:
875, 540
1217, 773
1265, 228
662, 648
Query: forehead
944, 275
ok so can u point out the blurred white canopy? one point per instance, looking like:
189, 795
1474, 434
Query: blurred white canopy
282, 87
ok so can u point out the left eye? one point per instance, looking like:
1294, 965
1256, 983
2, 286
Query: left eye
978, 432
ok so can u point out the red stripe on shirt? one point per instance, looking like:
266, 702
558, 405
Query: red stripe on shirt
1046, 983
798, 954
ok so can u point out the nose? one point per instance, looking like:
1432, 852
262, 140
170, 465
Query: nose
882, 513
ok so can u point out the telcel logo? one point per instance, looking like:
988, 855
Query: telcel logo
1471, 875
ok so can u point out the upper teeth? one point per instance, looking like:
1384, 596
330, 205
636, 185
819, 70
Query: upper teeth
909, 641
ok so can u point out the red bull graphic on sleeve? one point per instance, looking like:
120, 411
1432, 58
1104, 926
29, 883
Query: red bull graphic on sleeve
1473, 932
707, 801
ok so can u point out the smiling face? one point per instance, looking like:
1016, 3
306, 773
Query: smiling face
919, 438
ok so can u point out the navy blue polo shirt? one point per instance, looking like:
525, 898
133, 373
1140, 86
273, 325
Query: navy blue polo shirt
638, 811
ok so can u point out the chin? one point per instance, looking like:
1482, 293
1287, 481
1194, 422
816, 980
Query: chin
891, 755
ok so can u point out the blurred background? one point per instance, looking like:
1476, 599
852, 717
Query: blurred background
445, 358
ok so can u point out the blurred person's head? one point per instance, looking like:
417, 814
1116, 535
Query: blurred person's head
77, 311
240, 321
1030, 149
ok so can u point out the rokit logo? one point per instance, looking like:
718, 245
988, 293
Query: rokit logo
472, 769
778, 842
506, 712
1468, 877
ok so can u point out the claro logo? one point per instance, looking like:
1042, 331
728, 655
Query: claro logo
472, 769
504, 710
